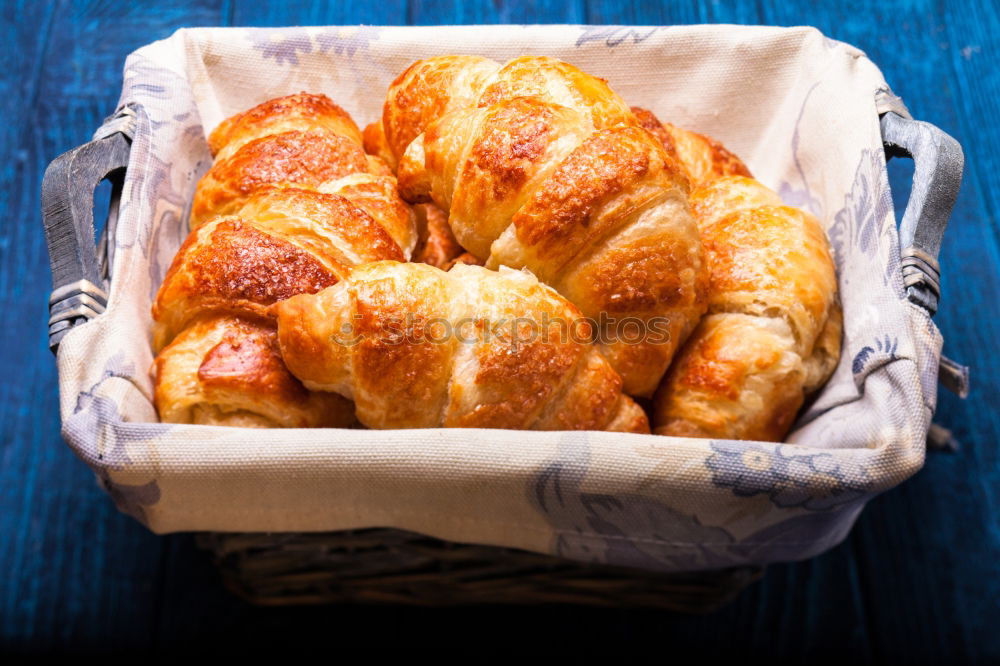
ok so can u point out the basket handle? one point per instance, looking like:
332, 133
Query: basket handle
937, 175
79, 270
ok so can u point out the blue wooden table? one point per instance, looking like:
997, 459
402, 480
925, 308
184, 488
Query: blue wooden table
917, 580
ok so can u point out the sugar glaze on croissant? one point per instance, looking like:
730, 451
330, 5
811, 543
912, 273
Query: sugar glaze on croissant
542, 166
772, 333
225, 370
290, 204
281, 243
703, 158
417, 347
302, 141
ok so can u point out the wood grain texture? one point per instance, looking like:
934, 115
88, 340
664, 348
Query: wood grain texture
915, 581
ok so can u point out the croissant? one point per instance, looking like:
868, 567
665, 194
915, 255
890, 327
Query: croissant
417, 347
436, 244
544, 167
267, 227
703, 158
303, 141
300, 112
375, 143
281, 243
225, 370
772, 332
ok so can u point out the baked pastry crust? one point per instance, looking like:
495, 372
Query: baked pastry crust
225, 370
704, 159
290, 204
281, 243
306, 142
542, 166
773, 330
304, 159
299, 112
417, 347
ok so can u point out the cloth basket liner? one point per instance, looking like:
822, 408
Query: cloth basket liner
801, 109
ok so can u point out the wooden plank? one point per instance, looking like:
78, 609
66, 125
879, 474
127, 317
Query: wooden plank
929, 576
449, 12
84, 576
650, 12
915, 581
308, 12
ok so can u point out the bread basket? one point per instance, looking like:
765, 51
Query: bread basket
460, 515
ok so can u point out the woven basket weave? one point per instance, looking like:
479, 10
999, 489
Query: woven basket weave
387, 566
662, 506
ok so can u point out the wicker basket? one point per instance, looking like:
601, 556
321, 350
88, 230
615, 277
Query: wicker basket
169, 477
385, 566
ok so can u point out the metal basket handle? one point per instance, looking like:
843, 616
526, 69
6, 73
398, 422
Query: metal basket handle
79, 269
938, 162
937, 174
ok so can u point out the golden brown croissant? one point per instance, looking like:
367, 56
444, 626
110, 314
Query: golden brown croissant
225, 276
703, 158
772, 332
433, 87
417, 347
281, 243
436, 244
225, 370
301, 112
303, 141
375, 143
544, 167
290, 204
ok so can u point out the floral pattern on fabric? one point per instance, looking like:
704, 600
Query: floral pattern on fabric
97, 413
787, 477
625, 529
614, 35
348, 40
861, 223
883, 350
284, 45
